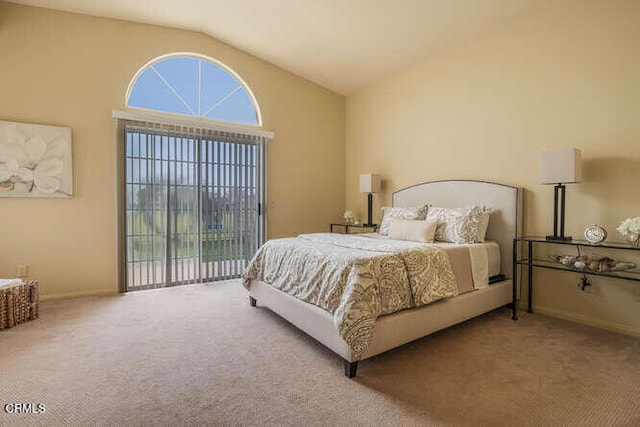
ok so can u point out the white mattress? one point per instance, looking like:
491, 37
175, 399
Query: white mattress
492, 250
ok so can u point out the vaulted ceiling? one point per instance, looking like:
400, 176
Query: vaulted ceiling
343, 45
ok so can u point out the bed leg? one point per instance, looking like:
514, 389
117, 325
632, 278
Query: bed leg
252, 301
350, 369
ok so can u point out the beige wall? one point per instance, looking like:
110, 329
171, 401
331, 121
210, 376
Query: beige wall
71, 70
566, 75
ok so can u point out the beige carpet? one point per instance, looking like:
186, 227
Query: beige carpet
201, 355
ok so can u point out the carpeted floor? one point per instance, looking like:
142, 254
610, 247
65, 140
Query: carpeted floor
201, 355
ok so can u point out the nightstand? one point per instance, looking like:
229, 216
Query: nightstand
353, 229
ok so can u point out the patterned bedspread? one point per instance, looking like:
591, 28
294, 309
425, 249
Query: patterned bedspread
355, 278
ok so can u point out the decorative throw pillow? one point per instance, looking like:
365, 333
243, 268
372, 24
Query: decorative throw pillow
483, 225
413, 229
400, 213
456, 225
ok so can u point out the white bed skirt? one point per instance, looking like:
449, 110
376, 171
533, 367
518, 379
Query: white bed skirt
390, 331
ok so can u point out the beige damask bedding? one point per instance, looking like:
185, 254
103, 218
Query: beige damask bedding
355, 278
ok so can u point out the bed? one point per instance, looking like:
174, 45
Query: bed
366, 335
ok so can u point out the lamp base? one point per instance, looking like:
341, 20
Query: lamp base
369, 208
559, 238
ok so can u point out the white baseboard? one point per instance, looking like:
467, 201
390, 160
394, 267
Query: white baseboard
78, 294
598, 323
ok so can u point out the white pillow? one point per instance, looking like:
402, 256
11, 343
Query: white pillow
456, 225
413, 229
401, 213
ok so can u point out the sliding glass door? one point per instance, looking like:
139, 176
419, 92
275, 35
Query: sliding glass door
192, 204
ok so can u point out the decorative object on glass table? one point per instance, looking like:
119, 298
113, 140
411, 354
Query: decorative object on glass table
349, 217
584, 262
584, 283
630, 230
595, 234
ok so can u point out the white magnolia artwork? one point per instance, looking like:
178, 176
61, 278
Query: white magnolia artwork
35, 160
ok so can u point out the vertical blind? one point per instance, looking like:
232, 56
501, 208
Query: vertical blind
192, 203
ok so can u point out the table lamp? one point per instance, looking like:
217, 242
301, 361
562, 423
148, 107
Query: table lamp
370, 183
559, 168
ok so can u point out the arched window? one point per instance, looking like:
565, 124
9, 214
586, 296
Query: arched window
193, 85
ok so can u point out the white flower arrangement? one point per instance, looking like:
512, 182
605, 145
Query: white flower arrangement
349, 217
630, 229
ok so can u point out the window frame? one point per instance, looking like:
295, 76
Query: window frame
213, 61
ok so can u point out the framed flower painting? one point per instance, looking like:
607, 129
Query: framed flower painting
35, 160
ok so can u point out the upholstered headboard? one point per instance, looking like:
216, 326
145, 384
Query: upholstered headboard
504, 200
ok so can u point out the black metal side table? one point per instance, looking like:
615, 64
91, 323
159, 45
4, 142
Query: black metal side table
348, 228
531, 262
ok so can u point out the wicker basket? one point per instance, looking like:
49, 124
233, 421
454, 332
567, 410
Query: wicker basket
19, 304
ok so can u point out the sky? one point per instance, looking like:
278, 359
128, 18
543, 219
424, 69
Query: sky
193, 87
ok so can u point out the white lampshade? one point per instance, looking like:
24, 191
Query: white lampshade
370, 183
561, 167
